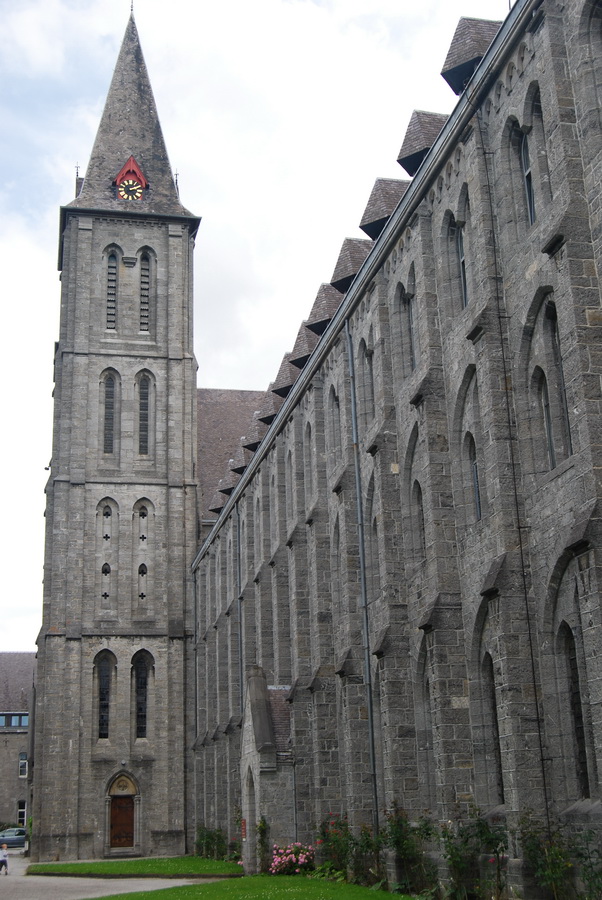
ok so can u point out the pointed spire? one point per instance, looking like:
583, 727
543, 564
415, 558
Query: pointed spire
130, 127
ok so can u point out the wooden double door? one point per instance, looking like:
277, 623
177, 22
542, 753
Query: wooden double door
122, 821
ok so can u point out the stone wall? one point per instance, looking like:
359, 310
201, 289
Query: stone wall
473, 329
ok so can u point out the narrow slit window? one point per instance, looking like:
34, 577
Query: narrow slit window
104, 696
141, 688
145, 292
493, 729
142, 580
527, 178
547, 422
576, 710
143, 432
462, 265
112, 292
552, 319
419, 520
474, 478
409, 305
109, 417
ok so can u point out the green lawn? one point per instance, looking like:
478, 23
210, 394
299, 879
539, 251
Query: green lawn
260, 887
165, 866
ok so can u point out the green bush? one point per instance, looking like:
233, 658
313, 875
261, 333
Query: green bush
547, 852
211, 843
465, 842
264, 850
416, 872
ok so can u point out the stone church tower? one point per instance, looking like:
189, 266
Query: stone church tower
112, 729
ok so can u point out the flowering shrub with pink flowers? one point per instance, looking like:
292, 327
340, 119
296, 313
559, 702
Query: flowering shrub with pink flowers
292, 860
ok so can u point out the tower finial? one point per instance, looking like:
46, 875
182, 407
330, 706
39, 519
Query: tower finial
132, 7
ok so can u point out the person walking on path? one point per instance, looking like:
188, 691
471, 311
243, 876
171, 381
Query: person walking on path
4, 859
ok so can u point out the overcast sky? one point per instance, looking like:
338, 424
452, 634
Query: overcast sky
278, 116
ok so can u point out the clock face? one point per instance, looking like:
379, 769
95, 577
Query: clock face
129, 189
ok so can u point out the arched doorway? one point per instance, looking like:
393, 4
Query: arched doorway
122, 815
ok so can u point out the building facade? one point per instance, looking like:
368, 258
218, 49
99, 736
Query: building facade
16, 690
113, 719
397, 603
400, 597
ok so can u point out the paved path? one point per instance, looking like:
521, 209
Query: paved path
18, 886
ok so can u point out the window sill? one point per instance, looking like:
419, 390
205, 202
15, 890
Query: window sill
556, 472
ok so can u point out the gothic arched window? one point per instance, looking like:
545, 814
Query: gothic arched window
473, 475
418, 520
289, 484
550, 426
111, 299
543, 396
141, 670
566, 642
366, 382
411, 331
371, 543
457, 261
109, 414
525, 162
104, 668
143, 573
334, 426
492, 730
308, 466
461, 256
144, 401
145, 291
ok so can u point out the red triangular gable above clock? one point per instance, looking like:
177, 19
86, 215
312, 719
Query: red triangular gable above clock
131, 170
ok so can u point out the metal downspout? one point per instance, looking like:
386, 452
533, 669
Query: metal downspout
239, 608
364, 592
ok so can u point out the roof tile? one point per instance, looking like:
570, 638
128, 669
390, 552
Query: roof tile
422, 132
469, 45
352, 255
386, 194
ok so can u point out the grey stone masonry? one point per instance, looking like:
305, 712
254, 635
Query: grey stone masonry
462, 520
397, 604
114, 728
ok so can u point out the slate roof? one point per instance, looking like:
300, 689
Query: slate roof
422, 132
287, 375
386, 194
254, 433
351, 257
227, 484
270, 406
241, 460
16, 681
304, 345
327, 301
223, 417
130, 127
469, 45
